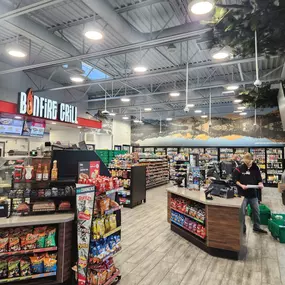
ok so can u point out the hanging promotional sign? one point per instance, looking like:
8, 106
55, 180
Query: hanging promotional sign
32, 105
84, 204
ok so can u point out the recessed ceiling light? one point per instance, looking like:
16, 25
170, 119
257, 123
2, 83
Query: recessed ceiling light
106, 112
201, 7
53, 123
77, 79
190, 105
147, 109
198, 111
125, 117
220, 55
18, 117
93, 35
140, 68
237, 111
243, 114
237, 101
232, 87
125, 99
79, 127
204, 116
112, 114
174, 94
241, 107
228, 92
168, 119
136, 121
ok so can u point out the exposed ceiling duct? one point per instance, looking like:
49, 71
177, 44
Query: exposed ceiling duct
26, 27
104, 9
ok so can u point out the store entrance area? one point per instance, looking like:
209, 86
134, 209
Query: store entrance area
154, 255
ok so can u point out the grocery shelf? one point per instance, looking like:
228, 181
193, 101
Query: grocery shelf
191, 217
187, 230
114, 190
36, 276
114, 276
112, 232
21, 252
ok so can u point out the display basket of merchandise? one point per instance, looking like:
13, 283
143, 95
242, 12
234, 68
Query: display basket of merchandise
276, 226
265, 213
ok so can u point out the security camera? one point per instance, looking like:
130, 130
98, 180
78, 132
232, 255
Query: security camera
186, 109
257, 83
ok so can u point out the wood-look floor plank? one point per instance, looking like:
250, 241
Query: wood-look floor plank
271, 271
172, 278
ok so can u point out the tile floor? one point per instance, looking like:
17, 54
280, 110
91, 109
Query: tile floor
153, 255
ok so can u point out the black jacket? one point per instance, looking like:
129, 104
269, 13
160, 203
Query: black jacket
247, 176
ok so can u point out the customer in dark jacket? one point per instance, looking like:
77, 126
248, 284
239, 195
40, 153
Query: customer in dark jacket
249, 174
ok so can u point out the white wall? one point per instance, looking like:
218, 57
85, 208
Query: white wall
65, 136
121, 132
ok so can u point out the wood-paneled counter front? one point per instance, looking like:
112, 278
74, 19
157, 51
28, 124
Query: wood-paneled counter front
223, 227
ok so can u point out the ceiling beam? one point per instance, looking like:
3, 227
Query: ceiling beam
159, 73
113, 51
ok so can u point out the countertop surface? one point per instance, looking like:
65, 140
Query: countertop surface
35, 220
199, 196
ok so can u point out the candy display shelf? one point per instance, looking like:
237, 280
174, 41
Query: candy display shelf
133, 192
31, 251
187, 230
191, 217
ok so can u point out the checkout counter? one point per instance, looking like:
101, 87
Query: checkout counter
212, 225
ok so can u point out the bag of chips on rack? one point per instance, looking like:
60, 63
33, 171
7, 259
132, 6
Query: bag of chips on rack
3, 268
50, 237
107, 224
49, 264
4, 244
13, 267
102, 277
30, 242
92, 278
37, 264
100, 227
14, 239
41, 233
25, 266
112, 222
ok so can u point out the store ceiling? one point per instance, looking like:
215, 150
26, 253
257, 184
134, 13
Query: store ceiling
52, 32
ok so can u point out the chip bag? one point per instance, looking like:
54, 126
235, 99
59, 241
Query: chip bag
49, 264
13, 267
112, 222
37, 264
3, 268
25, 267
50, 237
4, 244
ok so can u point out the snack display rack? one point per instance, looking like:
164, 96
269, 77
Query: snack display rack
274, 165
132, 183
98, 235
157, 169
226, 153
260, 158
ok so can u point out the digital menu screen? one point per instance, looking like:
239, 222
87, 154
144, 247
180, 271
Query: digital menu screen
33, 129
10, 126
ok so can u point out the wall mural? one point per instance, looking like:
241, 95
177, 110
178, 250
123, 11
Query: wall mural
231, 131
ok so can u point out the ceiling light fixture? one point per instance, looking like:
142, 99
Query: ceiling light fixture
201, 7
198, 111
237, 101
16, 50
136, 121
91, 32
220, 55
53, 123
125, 118
105, 111
124, 99
79, 127
204, 116
190, 105
174, 94
77, 79
232, 87
237, 111
112, 114
168, 119
140, 69
18, 117
228, 92
243, 114
147, 109
241, 107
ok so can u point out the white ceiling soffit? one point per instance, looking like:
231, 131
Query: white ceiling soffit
26, 27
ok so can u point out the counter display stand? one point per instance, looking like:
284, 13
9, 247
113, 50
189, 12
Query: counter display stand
212, 225
157, 170
133, 182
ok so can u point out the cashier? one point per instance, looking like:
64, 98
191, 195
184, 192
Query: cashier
248, 173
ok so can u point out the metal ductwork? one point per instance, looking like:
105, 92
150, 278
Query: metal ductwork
104, 9
26, 27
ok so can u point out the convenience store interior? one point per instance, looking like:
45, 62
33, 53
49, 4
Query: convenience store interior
129, 117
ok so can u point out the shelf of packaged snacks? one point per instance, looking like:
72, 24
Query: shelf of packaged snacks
21, 252
114, 190
128, 169
61, 181
188, 230
111, 232
36, 276
191, 217
112, 279
156, 184
110, 211
125, 193
96, 259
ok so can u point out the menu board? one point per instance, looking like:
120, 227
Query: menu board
10, 126
33, 129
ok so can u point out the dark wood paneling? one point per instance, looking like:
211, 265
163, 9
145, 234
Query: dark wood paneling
223, 228
168, 207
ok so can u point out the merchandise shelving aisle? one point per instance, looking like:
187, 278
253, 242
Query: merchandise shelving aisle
213, 152
274, 165
157, 169
226, 153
